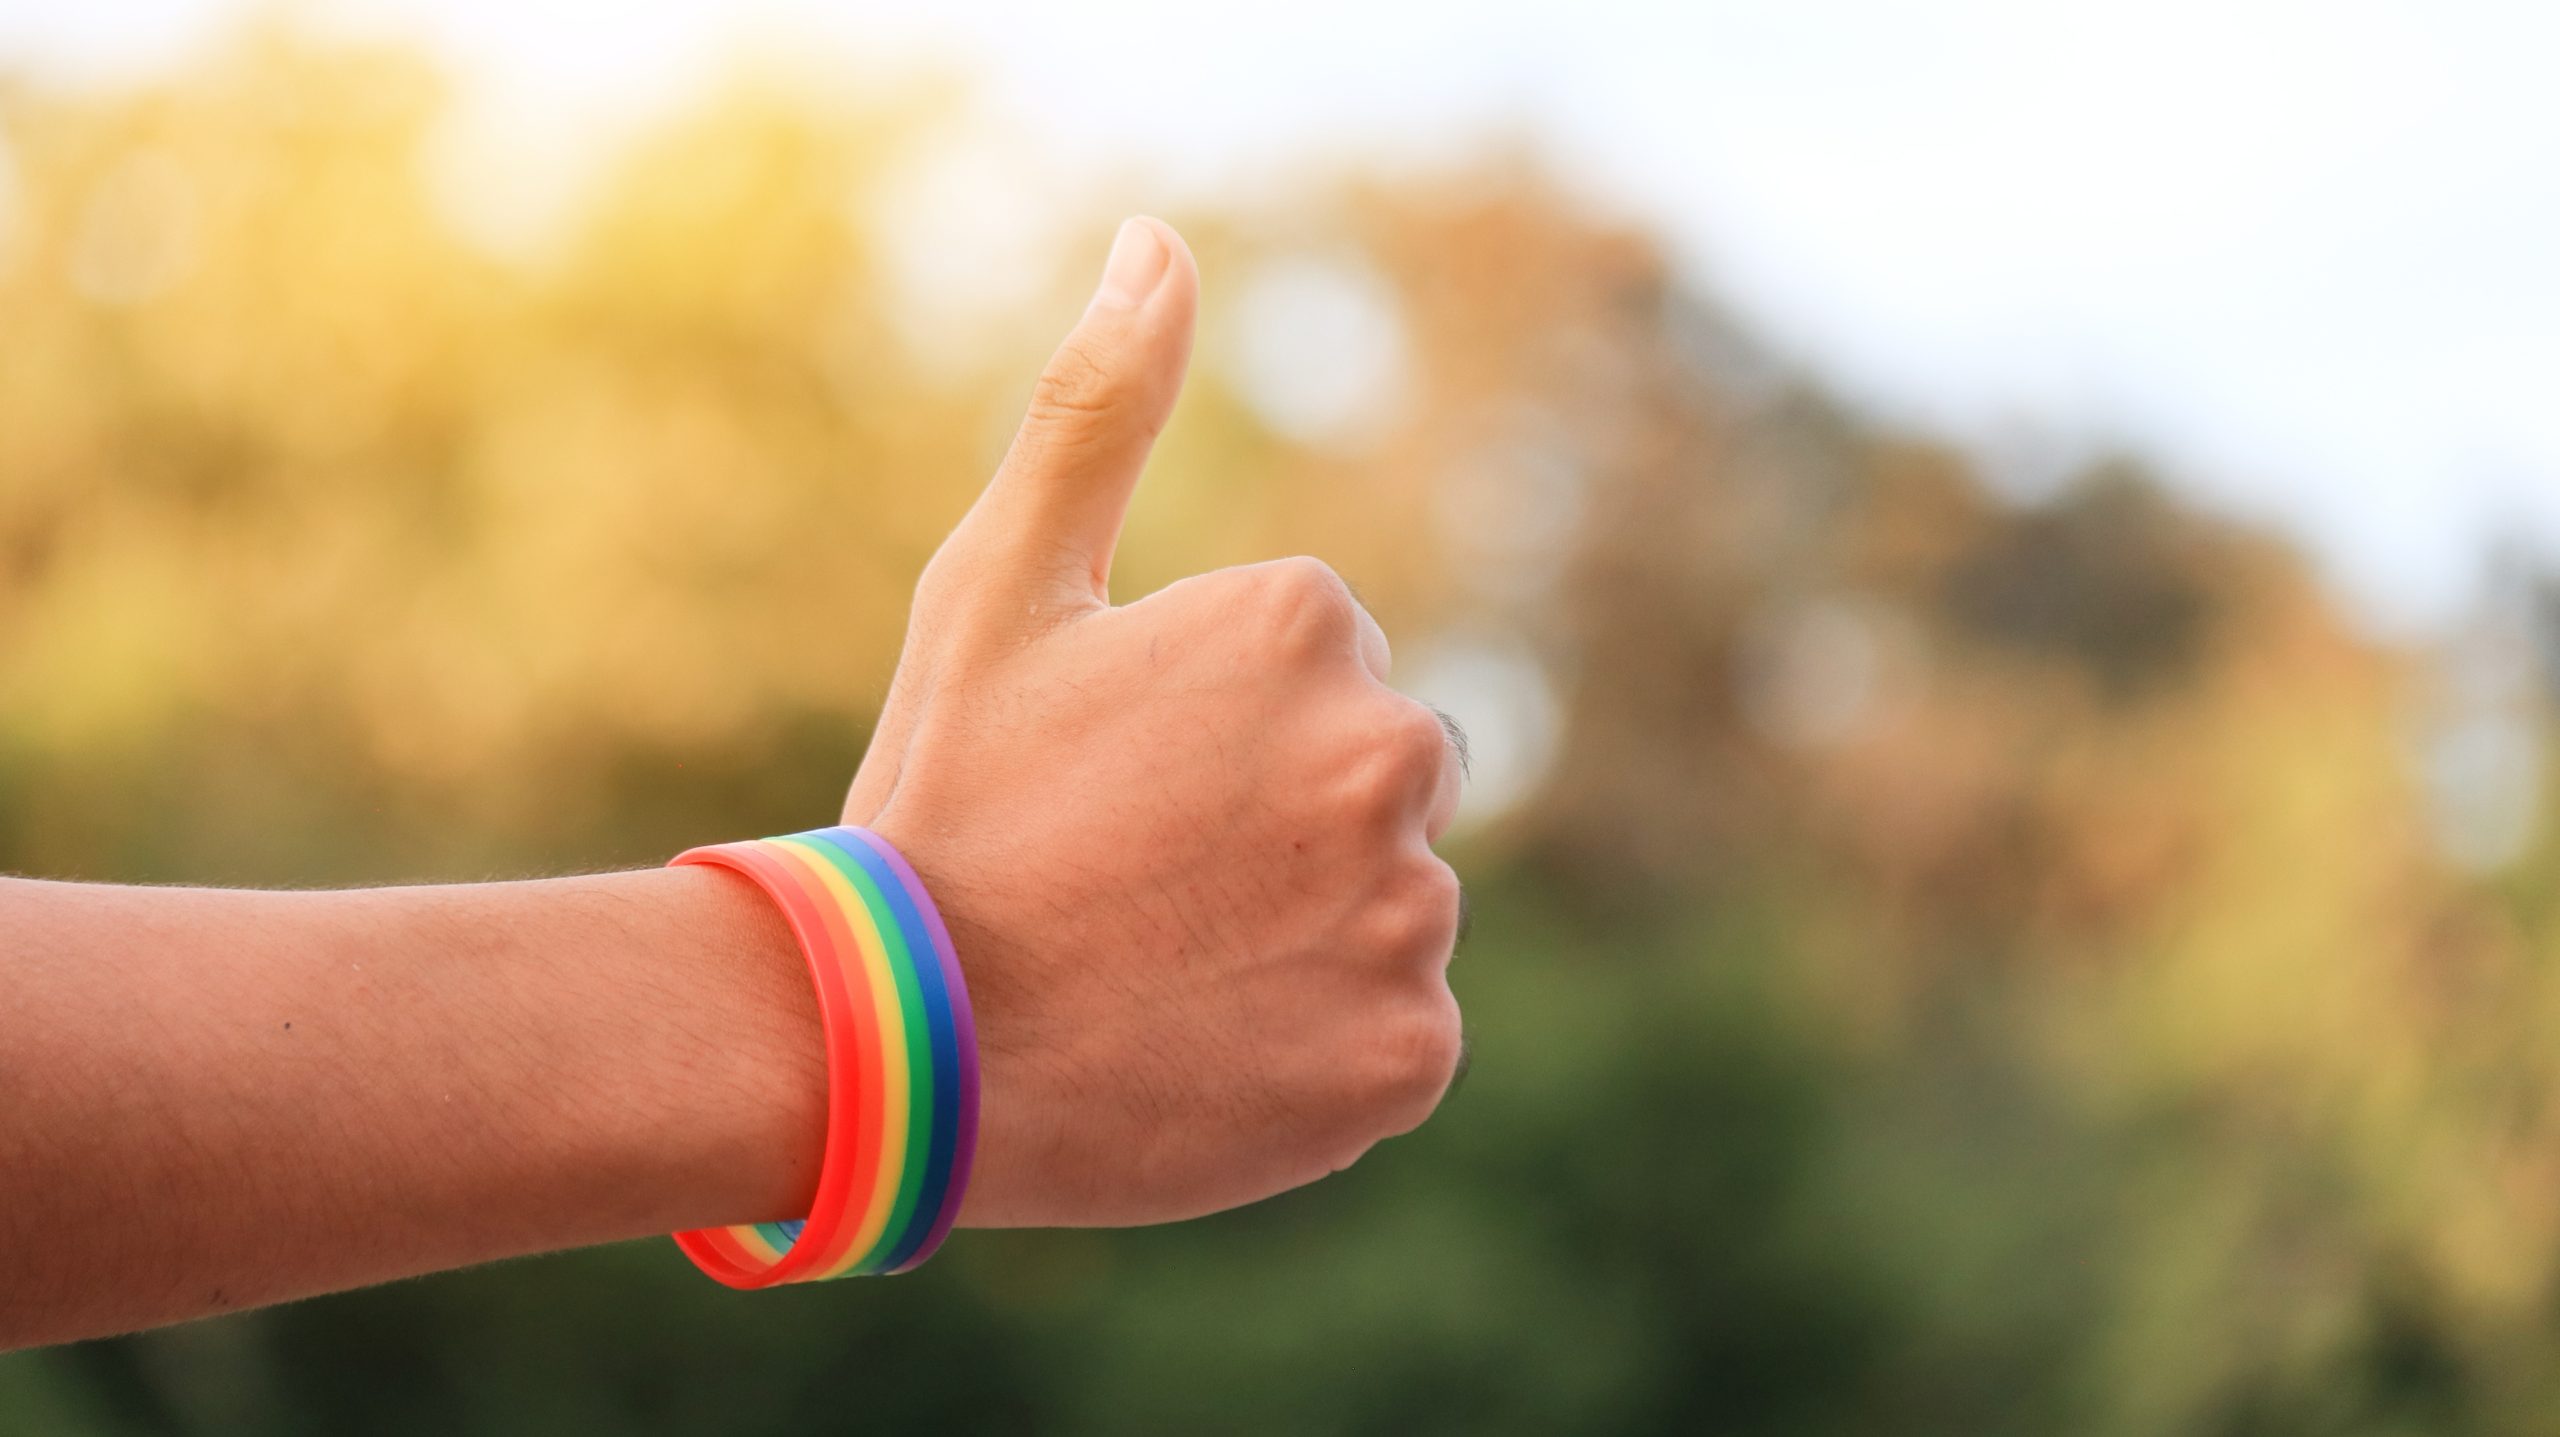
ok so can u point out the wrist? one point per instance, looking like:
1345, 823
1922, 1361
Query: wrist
742, 1125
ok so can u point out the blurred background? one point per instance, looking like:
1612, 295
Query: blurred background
1994, 554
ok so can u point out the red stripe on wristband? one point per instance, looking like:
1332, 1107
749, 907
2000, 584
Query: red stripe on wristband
851, 1163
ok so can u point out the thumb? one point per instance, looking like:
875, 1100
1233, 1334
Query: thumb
1047, 523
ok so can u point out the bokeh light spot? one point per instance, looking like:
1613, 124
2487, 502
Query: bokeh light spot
1499, 691
1320, 349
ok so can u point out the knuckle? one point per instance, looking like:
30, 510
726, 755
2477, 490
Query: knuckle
1349, 1149
1415, 737
1303, 572
1306, 599
1438, 894
1076, 393
949, 614
1416, 921
1418, 1056
942, 585
1378, 786
1399, 760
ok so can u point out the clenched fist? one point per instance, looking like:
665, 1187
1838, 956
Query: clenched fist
1184, 845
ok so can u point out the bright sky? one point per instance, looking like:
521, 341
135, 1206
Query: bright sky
2305, 254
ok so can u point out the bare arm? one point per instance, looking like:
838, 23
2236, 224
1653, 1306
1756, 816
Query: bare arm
1183, 845
221, 1099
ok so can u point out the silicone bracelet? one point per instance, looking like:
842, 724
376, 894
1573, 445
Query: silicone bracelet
955, 1167
892, 1093
930, 975
906, 1092
902, 1069
933, 1074
759, 1254
943, 1139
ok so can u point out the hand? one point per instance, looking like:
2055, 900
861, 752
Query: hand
1183, 845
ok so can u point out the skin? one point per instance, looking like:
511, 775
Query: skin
1184, 848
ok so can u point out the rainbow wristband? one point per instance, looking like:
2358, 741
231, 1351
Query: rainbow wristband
902, 1063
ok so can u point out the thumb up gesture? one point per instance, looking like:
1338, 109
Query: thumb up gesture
1183, 845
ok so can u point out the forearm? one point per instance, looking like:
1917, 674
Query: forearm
220, 1099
